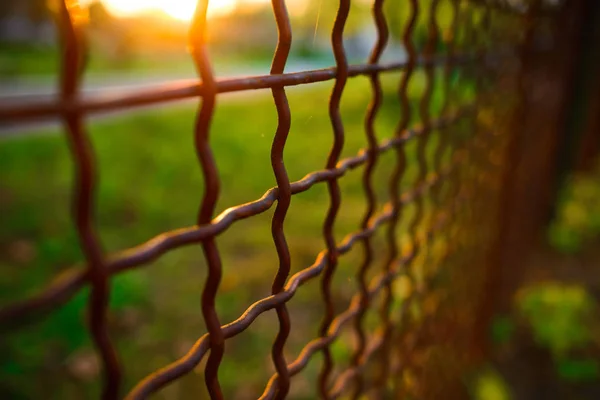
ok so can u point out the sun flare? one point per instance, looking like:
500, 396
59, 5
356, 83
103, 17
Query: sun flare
179, 9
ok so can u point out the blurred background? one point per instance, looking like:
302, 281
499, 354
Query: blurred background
545, 332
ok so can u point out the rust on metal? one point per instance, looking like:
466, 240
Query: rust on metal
32, 108
209, 201
84, 196
285, 193
457, 171
371, 201
332, 185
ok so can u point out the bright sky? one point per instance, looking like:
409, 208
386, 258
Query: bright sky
180, 9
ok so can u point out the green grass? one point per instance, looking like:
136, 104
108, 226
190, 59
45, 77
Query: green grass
25, 61
577, 220
571, 309
151, 182
19, 60
573, 312
489, 385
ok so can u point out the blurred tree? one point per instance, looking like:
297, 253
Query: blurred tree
112, 37
36, 10
317, 20
319, 16
397, 14
99, 15
6, 7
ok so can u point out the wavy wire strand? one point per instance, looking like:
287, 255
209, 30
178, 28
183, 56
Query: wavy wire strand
285, 193
99, 268
450, 93
70, 20
394, 185
68, 283
346, 245
373, 108
444, 141
425, 106
406, 113
377, 283
419, 270
376, 341
332, 185
458, 180
209, 201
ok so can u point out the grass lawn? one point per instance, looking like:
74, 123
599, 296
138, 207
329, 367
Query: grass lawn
22, 62
151, 182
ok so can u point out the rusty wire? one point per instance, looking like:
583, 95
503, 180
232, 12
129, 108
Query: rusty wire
371, 201
450, 208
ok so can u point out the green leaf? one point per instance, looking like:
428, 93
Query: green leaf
585, 370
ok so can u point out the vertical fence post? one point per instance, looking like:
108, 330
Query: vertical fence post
580, 115
528, 186
498, 255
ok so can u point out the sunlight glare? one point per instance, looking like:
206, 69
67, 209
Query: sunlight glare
179, 9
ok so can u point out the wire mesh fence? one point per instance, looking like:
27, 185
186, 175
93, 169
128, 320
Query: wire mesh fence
439, 234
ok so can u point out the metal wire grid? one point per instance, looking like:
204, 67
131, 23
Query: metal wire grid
464, 193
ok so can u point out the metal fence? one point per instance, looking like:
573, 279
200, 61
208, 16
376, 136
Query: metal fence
466, 183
